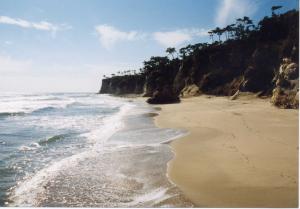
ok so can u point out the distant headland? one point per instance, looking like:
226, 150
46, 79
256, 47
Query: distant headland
262, 59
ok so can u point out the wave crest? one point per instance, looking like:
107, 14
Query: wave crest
53, 139
9, 114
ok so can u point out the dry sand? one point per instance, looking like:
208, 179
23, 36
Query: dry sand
241, 153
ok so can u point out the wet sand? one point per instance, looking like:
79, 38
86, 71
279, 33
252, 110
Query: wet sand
241, 153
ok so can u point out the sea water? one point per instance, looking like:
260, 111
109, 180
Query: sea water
83, 150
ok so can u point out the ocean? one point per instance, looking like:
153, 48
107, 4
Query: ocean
84, 150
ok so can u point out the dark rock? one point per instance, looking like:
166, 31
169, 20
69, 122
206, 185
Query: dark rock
164, 96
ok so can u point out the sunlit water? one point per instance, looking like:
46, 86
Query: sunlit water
85, 150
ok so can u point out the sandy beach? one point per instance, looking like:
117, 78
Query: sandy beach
241, 153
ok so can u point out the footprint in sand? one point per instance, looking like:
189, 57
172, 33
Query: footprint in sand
237, 113
289, 178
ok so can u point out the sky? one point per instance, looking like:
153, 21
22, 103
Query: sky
68, 45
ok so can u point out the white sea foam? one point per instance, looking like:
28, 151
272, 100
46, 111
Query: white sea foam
150, 198
27, 191
110, 126
27, 105
25, 148
25, 194
102, 160
32, 146
36, 145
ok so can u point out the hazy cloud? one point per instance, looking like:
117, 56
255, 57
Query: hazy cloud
229, 10
43, 25
10, 65
109, 35
178, 37
8, 42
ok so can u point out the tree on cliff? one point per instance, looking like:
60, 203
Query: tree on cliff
171, 51
219, 32
155, 64
243, 27
211, 35
186, 51
229, 29
274, 8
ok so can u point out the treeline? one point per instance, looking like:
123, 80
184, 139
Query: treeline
241, 57
242, 29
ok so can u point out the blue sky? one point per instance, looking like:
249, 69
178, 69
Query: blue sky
68, 45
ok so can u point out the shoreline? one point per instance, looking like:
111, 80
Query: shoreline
241, 153
119, 151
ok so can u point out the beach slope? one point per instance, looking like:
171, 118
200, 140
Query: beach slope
241, 153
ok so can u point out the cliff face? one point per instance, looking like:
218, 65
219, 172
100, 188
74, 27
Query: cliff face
129, 84
247, 65
286, 91
265, 62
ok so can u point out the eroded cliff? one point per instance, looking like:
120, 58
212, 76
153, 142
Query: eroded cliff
265, 62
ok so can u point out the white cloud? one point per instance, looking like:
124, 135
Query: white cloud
178, 37
171, 38
109, 35
229, 10
43, 25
